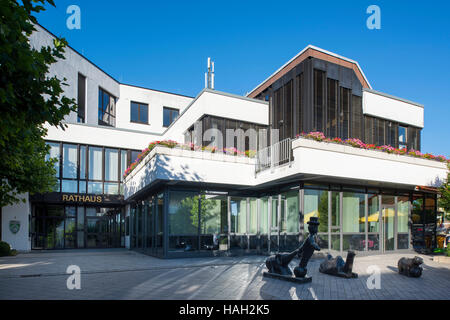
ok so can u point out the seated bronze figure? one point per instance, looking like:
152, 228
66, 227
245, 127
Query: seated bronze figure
338, 267
410, 266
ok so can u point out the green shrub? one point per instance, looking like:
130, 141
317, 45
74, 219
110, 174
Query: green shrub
5, 249
224, 240
448, 252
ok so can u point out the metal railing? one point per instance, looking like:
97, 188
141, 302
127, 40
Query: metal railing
275, 155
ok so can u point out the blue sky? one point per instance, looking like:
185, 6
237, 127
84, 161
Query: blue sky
164, 45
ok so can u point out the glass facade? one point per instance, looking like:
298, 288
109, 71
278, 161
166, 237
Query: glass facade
75, 226
201, 221
85, 169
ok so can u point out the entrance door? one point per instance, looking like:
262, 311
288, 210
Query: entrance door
388, 227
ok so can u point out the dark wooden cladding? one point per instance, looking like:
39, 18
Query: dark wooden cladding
318, 95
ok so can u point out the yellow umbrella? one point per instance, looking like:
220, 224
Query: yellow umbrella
308, 216
374, 217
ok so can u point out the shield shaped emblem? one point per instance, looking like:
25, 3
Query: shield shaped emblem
14, 226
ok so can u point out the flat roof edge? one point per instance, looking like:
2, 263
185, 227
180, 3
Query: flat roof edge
393, 97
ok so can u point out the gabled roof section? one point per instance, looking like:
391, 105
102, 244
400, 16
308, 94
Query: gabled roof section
311, 51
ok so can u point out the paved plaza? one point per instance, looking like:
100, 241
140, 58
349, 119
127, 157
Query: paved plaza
124, 274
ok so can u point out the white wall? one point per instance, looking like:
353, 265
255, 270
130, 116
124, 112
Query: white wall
219, 104
156, 100
69, 68
396, 109
20, 212
101, 136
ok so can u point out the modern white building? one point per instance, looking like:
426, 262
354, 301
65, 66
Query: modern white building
191, 199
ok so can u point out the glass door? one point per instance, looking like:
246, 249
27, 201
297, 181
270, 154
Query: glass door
388, 234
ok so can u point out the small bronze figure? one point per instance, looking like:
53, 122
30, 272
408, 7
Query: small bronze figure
337, 266
410, 266
307, 248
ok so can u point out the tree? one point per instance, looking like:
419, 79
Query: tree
29, 98
444, 201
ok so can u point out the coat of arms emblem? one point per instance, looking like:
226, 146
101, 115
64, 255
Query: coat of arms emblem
14, 226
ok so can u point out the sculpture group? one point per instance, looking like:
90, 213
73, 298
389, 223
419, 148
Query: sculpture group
278, 264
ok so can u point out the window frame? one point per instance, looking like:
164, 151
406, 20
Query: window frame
172, 120
108, 108
140, 105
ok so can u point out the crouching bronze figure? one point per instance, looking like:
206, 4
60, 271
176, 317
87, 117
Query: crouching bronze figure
410, 266
338, 267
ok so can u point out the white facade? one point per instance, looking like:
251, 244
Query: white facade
388, 107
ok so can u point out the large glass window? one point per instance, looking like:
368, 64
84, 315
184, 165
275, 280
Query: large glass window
183, 220
111, 164
291, 200
106, 108
95, 163
353, 212
316, 205
139, 112
238, 208
374, 213
169, 116
253, 214
264, 215
70, 155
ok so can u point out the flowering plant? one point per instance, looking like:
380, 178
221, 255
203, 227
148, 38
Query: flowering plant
357, 143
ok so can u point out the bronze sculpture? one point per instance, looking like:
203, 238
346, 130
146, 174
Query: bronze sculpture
338, 267
278, 264
410, 266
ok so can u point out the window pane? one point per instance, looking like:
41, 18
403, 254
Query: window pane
402, 213
95, 163
214, 214
111, 188
69, 186
95, 188
134, 155
70, 161
143, 115
123, 163
319, 83
82, 186
264, 215
353, 212
82, 162
238, 208
111, 164
316, 205
134, 112
54, 153
166, 117
252, 225
292, 211
373, 218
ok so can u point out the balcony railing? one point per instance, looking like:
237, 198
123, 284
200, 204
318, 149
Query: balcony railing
275, 155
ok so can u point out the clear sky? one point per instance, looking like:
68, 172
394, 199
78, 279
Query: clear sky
164, 45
